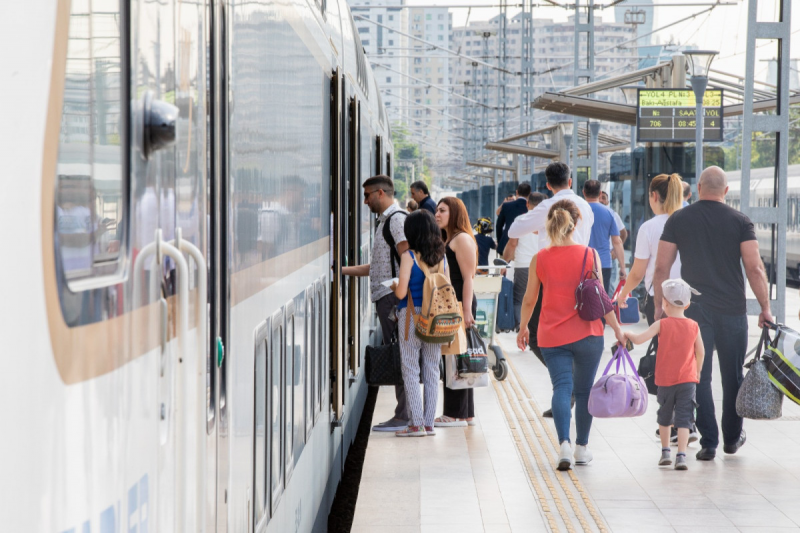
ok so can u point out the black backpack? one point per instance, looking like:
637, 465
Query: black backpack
387, 236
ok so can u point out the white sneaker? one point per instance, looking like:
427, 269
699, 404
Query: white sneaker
565, 460
583, 455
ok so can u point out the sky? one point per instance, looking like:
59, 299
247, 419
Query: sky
723, 29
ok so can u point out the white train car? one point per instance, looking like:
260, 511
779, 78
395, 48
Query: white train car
182, 185
762, 193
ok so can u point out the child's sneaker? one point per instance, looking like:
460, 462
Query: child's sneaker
680, 462
665, 458
411, 431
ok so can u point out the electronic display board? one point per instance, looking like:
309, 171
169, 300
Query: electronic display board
668, 115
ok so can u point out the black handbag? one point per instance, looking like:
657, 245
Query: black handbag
382, 364
647, 367
475, 362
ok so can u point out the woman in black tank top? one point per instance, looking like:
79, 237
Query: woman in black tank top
462, 259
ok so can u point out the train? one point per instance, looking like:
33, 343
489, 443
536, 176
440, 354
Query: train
762, 194
182, 187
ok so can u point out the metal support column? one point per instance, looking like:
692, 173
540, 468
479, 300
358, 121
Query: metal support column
779, 125
475, 137
485, 92
465, 128
583, 72
594, 130
502, 43
526, 68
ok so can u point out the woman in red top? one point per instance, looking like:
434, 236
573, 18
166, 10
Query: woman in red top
571, 346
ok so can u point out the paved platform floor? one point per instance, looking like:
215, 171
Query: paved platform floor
498, 476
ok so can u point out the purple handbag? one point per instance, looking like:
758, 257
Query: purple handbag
591, 299
619, 395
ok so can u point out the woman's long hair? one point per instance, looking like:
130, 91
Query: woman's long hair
670, 191
459, 220
424, 236
562, 219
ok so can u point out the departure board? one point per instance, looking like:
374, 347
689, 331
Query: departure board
668, 115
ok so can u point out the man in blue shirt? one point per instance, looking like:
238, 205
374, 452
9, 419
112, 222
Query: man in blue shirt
420, 194
604, 227
509, 211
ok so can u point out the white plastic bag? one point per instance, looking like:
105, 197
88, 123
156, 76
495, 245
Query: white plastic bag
454, 382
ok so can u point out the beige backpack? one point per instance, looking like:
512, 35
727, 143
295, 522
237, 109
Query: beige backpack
440, 314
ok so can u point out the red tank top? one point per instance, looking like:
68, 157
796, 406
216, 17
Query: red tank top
559, 270
675, 360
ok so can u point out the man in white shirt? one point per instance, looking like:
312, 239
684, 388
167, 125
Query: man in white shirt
560, 184
521, 251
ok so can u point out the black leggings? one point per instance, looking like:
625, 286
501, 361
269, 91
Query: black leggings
460, 403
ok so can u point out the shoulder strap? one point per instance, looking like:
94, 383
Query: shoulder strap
583, 265
387, 236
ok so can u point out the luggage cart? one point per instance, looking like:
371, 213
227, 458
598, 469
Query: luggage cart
487, 288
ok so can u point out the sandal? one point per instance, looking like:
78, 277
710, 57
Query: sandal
449, 422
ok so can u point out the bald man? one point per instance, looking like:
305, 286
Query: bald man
714, 240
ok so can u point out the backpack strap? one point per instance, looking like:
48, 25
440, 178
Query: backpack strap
387, 236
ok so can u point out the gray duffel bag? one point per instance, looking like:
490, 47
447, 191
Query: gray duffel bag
758, 398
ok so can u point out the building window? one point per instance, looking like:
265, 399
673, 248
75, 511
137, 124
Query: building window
427, 17
391, 17
391, 42
388, 80
363, 30
441, 38
365, 42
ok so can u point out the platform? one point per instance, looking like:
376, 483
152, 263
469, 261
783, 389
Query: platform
498, 476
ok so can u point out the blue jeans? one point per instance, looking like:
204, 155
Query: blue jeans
572, 370
728, 334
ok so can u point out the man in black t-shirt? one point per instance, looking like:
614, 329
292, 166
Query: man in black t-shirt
714, 240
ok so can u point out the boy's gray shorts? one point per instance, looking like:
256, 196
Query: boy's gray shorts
677, 403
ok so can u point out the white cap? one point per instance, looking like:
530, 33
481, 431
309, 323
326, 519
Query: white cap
677, 292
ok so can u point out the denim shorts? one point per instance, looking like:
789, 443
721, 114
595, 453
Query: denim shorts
676, 405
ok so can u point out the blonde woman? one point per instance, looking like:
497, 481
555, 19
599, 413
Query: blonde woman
571, 346
666, 197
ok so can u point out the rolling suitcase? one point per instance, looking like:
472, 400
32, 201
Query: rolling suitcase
505, 307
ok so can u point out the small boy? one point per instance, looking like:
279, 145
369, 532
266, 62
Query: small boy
678, 362
484, 240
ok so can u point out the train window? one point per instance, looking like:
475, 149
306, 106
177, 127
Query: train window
299, 377
91, 180
310, 342
277, 348
322, 346
260, 484
288, 393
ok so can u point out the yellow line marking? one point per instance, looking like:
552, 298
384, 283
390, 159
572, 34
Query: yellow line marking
590, 507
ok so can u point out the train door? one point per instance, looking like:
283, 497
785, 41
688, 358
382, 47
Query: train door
217, 187
354, 237
336, 345
169, 225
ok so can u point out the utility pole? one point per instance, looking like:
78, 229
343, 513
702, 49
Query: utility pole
502, 42
583, 72
526, 68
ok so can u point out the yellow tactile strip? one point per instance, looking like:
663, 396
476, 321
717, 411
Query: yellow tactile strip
525, 420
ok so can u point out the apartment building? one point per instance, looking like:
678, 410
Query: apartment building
387, 50
553, 54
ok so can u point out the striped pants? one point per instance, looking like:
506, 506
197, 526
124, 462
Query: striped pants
410, 351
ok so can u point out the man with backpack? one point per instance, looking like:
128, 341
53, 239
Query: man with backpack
389, 243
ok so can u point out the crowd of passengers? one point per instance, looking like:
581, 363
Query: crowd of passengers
688, 255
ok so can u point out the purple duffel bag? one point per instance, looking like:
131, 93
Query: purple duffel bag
619, 395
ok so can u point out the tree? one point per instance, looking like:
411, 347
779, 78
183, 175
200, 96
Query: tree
407, 151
